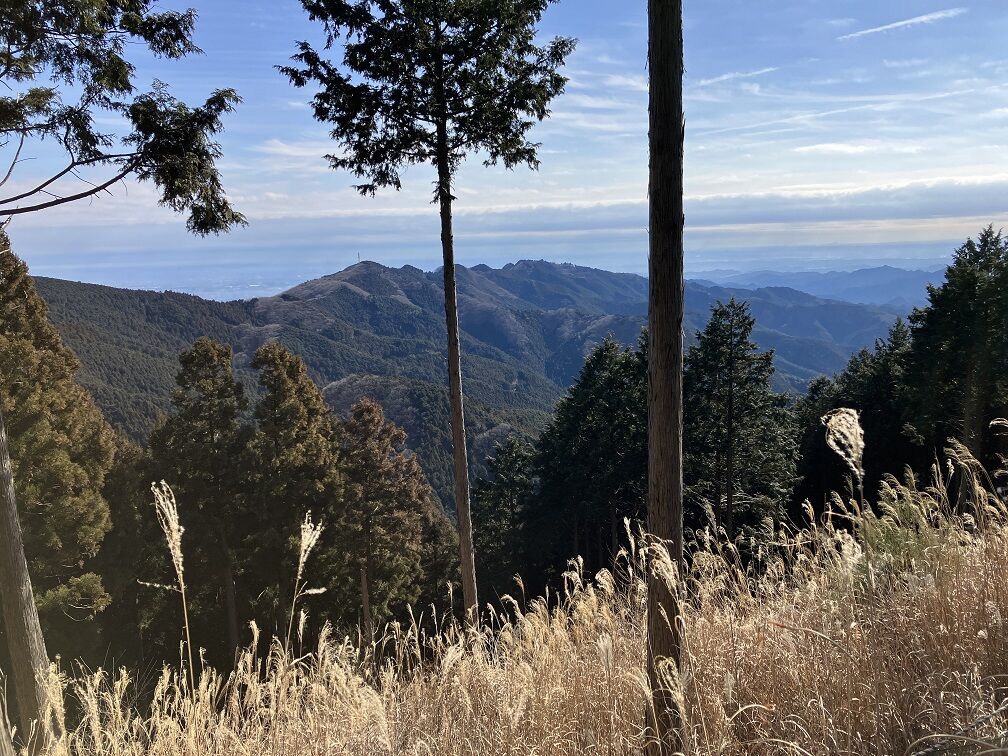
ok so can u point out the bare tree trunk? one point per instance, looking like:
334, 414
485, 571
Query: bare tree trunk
230, 601
365, 584
730, 441
29, 661
6, 744
467, 558
665, 358
614, 532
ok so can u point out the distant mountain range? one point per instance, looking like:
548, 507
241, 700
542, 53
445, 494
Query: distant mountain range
885, 285
378, 331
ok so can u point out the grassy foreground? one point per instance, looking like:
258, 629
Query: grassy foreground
890, 639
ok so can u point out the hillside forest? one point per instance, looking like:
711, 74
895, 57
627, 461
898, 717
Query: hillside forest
536, 509
251, 464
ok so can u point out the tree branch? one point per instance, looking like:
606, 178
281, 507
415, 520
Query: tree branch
69, 169
73, 197
14, 162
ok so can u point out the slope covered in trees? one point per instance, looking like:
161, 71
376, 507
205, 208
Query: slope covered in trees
376, 331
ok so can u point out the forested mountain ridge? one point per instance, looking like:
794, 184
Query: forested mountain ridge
374, 330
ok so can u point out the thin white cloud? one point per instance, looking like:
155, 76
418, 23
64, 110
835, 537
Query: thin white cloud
904, 63
834, 148
859, 148
633, 83
735, 75
928, 18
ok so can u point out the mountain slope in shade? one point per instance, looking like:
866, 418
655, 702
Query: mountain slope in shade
375, 331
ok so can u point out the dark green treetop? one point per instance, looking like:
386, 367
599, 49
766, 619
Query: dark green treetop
416, 75
958, 365
739, 433
295, 468
64, 69
392, 528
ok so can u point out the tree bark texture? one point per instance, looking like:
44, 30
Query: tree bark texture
665, 358
460, 455
29, 661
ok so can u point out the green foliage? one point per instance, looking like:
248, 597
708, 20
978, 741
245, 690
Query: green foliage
199, 450
428, 81
500, 504
65, 71
294, 467
942, 377
61, 449
591, 462
739, 434
874, 382
570, 492
958, 366
391, 533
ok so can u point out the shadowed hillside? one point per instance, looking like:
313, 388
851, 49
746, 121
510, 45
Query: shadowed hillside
373, 330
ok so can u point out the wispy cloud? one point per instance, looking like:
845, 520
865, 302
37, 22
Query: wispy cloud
859, 148
928, 18
735, 75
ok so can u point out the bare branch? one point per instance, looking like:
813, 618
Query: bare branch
69, 169
73, 197
14, 162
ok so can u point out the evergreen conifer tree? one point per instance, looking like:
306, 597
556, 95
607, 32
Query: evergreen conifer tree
591, 462
200, 448
296, 468
389, 515
738, 432
501, 504
958, 365
430, 81
60, 451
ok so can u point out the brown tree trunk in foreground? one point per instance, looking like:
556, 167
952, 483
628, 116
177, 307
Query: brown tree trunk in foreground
467, 558
665, 358
230, 600
29, 661
6, 744
367, 625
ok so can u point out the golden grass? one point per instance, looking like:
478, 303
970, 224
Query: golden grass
887, 637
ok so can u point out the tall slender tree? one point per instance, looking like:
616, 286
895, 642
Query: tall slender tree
64, 64
200, 447
428, 82
296, 469
388, 508
54, 454
739, 433
665, 359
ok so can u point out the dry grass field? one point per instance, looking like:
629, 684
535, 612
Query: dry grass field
877, 632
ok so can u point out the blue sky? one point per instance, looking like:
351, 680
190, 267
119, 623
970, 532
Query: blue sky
820, 134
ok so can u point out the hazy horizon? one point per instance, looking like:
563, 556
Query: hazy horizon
819, 135
223, 281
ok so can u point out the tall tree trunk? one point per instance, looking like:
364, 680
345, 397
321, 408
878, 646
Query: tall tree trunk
614, 532
466, 556
730, 441
367, 624
29, 661
230, 601
973, 406
6, 743
665, 361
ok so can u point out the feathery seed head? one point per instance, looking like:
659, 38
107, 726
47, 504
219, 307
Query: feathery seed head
167, 513
846, 437
310, 534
